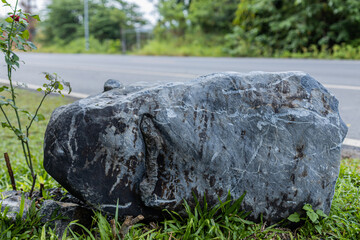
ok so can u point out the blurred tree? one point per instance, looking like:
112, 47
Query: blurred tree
213, 16
64, 20
106, 22
207, 16
297, 24
173, 15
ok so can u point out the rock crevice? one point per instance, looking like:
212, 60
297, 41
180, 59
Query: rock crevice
153, 146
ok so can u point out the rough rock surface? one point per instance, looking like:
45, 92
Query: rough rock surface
12, 201
276, 136
60, 214
57, 214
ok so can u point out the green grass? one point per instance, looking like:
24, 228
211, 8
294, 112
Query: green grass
210, 45
201, 45
225, 221
78, 46
204, 48
179, 48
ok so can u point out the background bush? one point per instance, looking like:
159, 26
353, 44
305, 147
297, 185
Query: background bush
246, 28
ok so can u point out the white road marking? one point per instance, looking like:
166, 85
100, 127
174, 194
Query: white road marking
347, 141
343, 87
34, 87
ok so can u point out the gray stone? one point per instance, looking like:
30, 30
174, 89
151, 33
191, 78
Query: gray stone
276, 136
60, 214
12, 201
112, 84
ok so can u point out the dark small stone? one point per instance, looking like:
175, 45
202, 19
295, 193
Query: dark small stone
112, 84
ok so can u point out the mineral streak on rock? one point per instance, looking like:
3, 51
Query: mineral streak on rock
276, 136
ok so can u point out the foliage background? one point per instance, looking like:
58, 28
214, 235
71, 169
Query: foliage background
255, 28
63, 27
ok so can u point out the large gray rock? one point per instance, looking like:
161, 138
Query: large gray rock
276, 136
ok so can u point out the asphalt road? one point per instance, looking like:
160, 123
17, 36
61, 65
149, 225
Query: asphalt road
87, 73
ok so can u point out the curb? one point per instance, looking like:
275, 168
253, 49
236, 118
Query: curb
350, 152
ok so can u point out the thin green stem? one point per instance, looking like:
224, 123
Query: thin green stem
22, 141
8, 53
25, 154
36, 113
7, 119
27, 133
10, 41
30, 160
9, 67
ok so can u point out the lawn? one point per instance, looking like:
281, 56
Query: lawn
222, 222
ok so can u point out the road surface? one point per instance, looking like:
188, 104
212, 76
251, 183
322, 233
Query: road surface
87, 74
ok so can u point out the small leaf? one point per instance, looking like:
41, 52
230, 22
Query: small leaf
36, 17
31, 45
24, 111
5, 125
2, 102
48, 76
321, 213
20, 47
8, 61
22, 208
2, 88
313, 216
295, 217
61, 87
67, 84
29, 115
15, 57
9, 20
4, 1
22, 40
318, 228
18, 133
25, 34
308, 207
40, 117
39, 89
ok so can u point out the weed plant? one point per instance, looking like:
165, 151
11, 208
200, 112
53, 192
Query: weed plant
28, 100
15, 36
